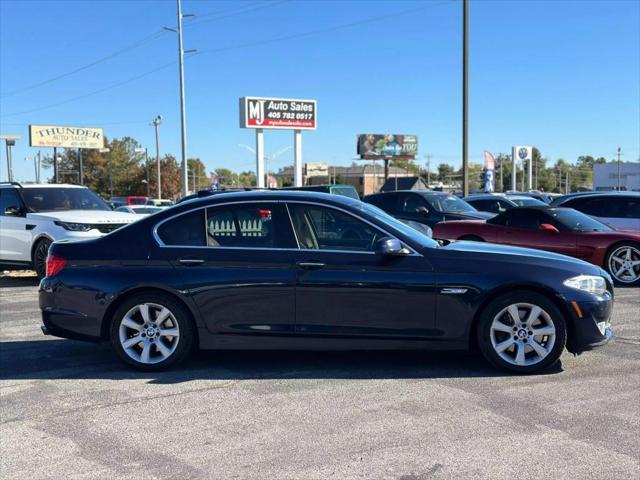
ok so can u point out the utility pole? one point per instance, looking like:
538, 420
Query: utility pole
55, 164
10, 141
185, 181
156, 122
619, 183
80, 173
465, 97
501, 174
108, 150
428, 157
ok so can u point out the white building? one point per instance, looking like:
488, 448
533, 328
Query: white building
605, 176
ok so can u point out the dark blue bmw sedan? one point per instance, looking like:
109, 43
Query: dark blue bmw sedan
300, 270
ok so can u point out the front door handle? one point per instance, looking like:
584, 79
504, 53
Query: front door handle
191, 261
310, 265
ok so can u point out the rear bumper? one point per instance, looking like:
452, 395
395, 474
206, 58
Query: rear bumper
591, 325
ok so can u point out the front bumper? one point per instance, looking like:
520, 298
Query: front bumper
590, 324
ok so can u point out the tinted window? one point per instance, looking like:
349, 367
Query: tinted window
187, 229
598, 207
60, 199
490, 205
526, 219
250, 225
449, 204
411, 203
573, 220
346, 191
329, 229
9, 198
385, 202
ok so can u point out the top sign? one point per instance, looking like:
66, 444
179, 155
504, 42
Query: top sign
375, 145
283, 113
65, 137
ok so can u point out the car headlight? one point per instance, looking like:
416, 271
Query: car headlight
75, 227
587, 283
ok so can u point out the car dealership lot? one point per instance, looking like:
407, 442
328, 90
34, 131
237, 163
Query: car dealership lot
70, 409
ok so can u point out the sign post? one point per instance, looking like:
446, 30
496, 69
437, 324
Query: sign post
524, 153
278, 113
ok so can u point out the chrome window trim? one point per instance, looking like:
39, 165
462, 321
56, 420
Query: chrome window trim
161, 244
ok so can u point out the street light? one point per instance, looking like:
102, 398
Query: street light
267, 158
10, 141
107, 150
155, 123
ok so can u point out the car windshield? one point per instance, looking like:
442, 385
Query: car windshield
527, 202
449, 204
346, 191
578, 221
53, 199
416, 236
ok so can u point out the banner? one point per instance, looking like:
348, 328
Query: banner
489, 174
283, 113
371, 146
65, 137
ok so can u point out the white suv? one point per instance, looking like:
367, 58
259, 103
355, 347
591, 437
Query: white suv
32, 216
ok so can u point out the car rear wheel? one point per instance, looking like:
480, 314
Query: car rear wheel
152, 332
40, 253
623, 264
522, 332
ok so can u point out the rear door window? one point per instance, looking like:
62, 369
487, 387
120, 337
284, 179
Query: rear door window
184, 230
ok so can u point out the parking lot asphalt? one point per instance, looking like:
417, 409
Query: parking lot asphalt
71, 410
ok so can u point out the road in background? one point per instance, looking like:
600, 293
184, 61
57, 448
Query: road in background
70, 409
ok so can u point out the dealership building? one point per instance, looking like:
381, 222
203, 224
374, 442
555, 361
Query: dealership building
605, 176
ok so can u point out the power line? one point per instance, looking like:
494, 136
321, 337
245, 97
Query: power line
234, 47
231, 12
133, 46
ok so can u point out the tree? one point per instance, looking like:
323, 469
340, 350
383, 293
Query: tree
226, 177
445, 172
197, 174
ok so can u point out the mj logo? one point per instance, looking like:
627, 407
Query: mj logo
256, 111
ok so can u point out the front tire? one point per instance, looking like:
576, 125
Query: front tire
623, 264
522, 332
40, 252
152, 332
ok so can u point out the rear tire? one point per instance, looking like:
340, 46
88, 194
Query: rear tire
152, 332
527, 344
40, 252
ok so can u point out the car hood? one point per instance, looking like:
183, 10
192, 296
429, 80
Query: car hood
517, 254
468, 215
86, 216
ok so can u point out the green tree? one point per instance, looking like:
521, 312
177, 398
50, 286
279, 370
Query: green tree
197, 175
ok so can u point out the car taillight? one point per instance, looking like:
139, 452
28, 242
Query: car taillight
55, 264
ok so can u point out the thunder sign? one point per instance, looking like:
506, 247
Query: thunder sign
282, 113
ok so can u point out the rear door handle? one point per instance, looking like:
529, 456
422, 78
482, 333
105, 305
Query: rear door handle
310, 265
191, 261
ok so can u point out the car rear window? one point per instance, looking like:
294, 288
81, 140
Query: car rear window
184, 230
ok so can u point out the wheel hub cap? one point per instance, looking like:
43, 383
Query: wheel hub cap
522, 334
150, 331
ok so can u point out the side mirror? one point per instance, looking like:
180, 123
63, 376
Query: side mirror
13, 211
390, 246
422, 210
547, 227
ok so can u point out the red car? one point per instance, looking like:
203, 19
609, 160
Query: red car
559, 230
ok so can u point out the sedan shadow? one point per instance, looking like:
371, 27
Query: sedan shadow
68, 359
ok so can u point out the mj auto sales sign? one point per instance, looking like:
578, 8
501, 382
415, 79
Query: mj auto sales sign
284, 113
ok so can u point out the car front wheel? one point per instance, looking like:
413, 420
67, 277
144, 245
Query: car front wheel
152, 332
522, 332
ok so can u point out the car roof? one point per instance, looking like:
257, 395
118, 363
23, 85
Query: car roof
40, 185
614, 193
223, 197
427, 193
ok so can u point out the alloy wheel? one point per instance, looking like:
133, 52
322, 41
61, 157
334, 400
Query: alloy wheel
149, 333
522, 334
40, 257
624, 264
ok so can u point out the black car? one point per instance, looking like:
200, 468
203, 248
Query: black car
425, 207
298, 270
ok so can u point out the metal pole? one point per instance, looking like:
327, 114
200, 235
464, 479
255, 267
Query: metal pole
522, 179
530, 179
619, 184
514, 169
9, 162
39, 166
465, 97
146, 162
55, 164
80, 171
501, 174
110, 175
297, 162
35, 167
156, 123
260, 158
185, 180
